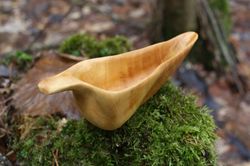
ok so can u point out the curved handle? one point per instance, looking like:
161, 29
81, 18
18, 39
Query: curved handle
58, 83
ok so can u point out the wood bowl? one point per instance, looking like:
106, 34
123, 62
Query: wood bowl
109, 90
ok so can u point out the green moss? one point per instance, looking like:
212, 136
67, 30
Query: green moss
113, 46
21, 59
169, 129
83, 44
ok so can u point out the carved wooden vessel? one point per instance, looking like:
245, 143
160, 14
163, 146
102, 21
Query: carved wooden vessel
108, 90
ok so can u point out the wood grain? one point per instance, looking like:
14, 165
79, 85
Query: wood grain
108, 90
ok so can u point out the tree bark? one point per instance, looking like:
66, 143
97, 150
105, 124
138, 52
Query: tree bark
172, 17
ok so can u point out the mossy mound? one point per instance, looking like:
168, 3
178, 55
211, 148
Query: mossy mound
169, 129
86, 45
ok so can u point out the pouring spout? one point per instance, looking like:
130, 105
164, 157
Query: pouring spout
57, 84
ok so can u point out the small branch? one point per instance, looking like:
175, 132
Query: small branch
55, 156
218, 34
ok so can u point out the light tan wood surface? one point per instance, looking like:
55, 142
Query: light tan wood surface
108, 90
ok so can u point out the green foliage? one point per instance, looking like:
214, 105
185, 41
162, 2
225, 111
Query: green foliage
19, 58
169, 129
83, 44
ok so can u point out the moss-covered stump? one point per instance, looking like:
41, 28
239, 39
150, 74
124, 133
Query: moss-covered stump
169, 129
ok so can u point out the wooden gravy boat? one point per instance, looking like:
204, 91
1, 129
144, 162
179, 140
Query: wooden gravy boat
108, 90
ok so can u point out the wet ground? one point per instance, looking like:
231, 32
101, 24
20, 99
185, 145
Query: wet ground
35, 24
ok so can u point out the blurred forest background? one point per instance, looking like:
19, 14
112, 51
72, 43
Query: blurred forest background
217, 70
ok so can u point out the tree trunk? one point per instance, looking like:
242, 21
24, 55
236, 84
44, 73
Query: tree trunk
172, 17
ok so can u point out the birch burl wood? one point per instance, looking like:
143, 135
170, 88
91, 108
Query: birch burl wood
108, 90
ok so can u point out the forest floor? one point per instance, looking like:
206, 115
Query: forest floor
38, 26
234, 115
